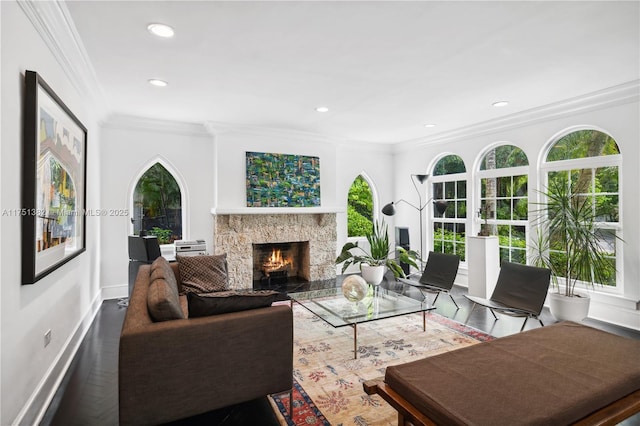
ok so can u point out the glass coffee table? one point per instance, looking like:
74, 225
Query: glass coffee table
331, 306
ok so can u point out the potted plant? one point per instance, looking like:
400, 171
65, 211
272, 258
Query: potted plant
372, 264
572, 248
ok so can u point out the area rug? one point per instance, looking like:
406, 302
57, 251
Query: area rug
328, 380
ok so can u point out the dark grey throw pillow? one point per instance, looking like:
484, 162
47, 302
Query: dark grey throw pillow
201, 305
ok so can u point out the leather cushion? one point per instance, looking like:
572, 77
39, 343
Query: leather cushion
203, 273
228, 301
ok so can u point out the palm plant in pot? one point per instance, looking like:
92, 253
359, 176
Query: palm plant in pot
374, 262
571, 245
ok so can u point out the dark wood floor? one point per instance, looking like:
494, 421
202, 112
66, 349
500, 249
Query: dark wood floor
88, 395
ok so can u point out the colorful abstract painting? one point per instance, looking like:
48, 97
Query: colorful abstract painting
282, 180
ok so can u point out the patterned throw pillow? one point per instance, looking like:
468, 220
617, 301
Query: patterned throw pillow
204, 273
201, 305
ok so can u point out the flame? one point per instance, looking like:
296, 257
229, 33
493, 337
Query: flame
276, 261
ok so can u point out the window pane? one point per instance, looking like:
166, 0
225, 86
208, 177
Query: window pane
503, 186
449, 190
504, 209
461, 209
583, 144
157, 205
607, 179
607, 208
520, 209
449, 165
359, 208
462, 188
504, 156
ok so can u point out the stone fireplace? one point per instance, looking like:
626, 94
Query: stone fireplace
311, 237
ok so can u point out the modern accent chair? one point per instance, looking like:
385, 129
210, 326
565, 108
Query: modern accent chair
520, 292
438, 275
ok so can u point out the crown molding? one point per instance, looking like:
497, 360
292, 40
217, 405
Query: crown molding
130, 122
605, 98
219, 128
53, 22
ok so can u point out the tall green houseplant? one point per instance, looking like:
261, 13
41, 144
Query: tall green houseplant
569, 242
380, 252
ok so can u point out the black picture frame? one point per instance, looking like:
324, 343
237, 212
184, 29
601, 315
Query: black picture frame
54, 182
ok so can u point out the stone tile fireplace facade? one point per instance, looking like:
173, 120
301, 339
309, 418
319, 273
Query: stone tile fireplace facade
236, 234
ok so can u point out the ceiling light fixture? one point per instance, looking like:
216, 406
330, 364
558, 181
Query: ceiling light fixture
500, 103
322, 109
161, 30
429, 125
158, 83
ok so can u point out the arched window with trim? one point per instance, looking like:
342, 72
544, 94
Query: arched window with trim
504, 206
157, 205
359, 208
587, 164
449, 183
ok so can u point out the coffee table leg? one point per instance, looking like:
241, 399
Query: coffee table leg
355, 341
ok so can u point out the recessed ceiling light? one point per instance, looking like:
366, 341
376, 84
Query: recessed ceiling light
158, 83
161, 30
322, 109
429, 125
500, 103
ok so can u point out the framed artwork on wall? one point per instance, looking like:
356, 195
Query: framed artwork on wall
54, 168
282, 180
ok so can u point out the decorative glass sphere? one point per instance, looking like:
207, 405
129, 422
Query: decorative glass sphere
354, 288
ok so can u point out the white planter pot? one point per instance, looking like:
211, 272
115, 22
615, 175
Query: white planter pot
373, 274
565, 308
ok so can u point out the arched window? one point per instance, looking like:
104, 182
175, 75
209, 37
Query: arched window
359, 208
449, 180
157, 205
587, 164
504, 200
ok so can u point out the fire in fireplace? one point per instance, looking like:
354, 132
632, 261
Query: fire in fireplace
278, 263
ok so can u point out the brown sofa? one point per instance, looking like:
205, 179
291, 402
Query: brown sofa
174, 369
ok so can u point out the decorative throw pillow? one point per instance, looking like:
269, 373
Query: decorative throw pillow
163, 301
201, 305
204, 273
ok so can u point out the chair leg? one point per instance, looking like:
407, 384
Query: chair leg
435, 299
470, 312
524, 323
454, 302
494, 314
540, 321
291, 404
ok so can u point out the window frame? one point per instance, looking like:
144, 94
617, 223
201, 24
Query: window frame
614, 160
432, 219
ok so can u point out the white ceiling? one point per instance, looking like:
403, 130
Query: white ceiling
383, 68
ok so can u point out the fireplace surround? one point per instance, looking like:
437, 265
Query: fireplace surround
236, 234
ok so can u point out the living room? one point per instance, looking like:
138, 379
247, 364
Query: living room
207, 155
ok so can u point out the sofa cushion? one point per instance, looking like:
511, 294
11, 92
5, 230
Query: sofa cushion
201, 305
161, 269
163, 301
203, 273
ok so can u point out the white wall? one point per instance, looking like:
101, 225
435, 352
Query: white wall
65, 300
130, 146
615, 112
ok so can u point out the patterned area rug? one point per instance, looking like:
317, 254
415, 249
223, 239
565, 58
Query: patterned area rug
328, 381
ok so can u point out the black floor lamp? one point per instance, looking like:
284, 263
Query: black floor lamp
441, 206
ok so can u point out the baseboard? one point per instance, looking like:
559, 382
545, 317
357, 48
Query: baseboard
115, 292
36, 406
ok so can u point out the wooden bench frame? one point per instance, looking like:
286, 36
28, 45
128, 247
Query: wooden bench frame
611, 414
